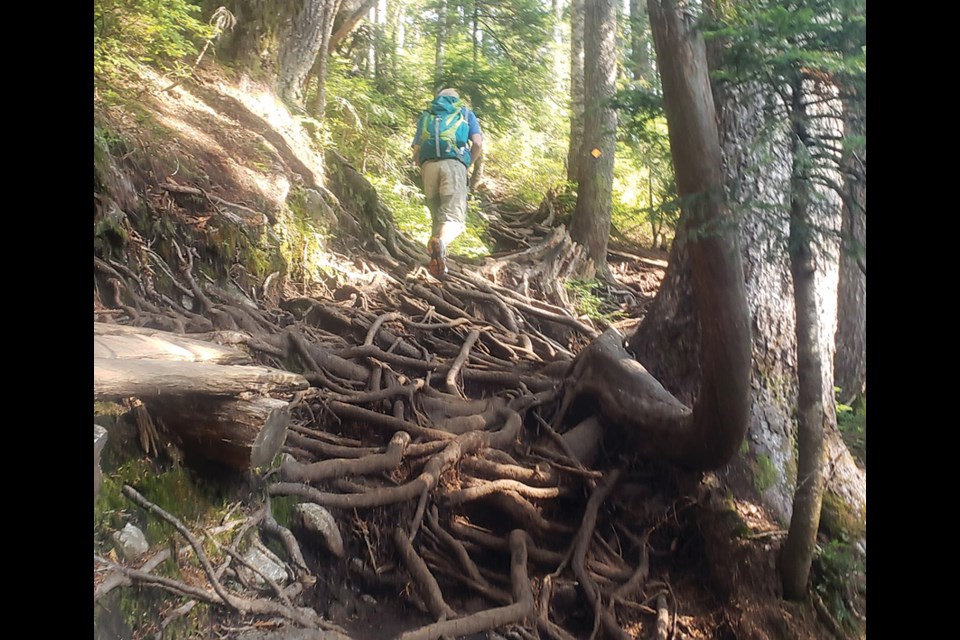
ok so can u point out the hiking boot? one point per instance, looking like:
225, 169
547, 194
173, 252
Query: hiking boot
438, 258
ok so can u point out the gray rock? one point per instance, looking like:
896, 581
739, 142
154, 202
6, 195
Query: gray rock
321, 523
131, 542
99, 442
266, 565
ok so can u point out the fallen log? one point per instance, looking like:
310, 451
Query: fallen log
115, 378
242, 434
136, 343
216, 412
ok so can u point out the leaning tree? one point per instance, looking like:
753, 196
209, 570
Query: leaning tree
769, 177
659, 425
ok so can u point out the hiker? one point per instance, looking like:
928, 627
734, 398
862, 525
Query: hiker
448, 138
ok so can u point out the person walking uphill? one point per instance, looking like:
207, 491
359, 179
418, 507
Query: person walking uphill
448, 139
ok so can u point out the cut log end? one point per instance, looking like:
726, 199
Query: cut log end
271, 438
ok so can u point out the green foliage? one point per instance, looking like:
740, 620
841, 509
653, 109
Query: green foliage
838, 572
771, 41
525, 171
161, 32
372, 121
172, 489
852, 422
517, 99
472, 242
587, 301
645, 190
191, 499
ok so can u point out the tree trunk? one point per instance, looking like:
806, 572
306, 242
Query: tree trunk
850, 360
757, 162
718, 285
379, 46
441, 42
136, 343
395, 20
576, 89
242, 434
558, 57
475, 35
299, 46
640, 66
117, 378
349, 24
628, 396
590, 224
318, 103
671, 320
797, 553
205, 407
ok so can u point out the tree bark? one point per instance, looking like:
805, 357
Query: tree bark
135, 343
349, 24
299, 46
115, 378
576, 89
590, 224
722, 405
757, 162
628, 396
850, 359
640, 66
797, 553
242, 434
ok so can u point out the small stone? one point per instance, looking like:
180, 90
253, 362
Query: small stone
99, 442
131, 542
265, 565
320, 522
368, 599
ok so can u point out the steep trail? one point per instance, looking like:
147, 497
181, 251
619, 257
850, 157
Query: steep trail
430, 430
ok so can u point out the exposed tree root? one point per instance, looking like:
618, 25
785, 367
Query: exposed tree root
443, 418
519, 612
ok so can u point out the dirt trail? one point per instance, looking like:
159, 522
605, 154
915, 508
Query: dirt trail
473, 371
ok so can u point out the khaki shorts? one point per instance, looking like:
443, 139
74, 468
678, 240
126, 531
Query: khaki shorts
445, 185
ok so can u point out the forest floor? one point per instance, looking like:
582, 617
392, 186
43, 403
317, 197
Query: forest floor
711, 555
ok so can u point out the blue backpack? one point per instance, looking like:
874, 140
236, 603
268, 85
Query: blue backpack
444, 130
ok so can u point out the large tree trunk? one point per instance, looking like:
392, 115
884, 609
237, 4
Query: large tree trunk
576, 89
722, 402
318, 103
117, 378
299, 47
213, 411
395, 12
138, 343
590, 225
628, 396
285, 39
757, 163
